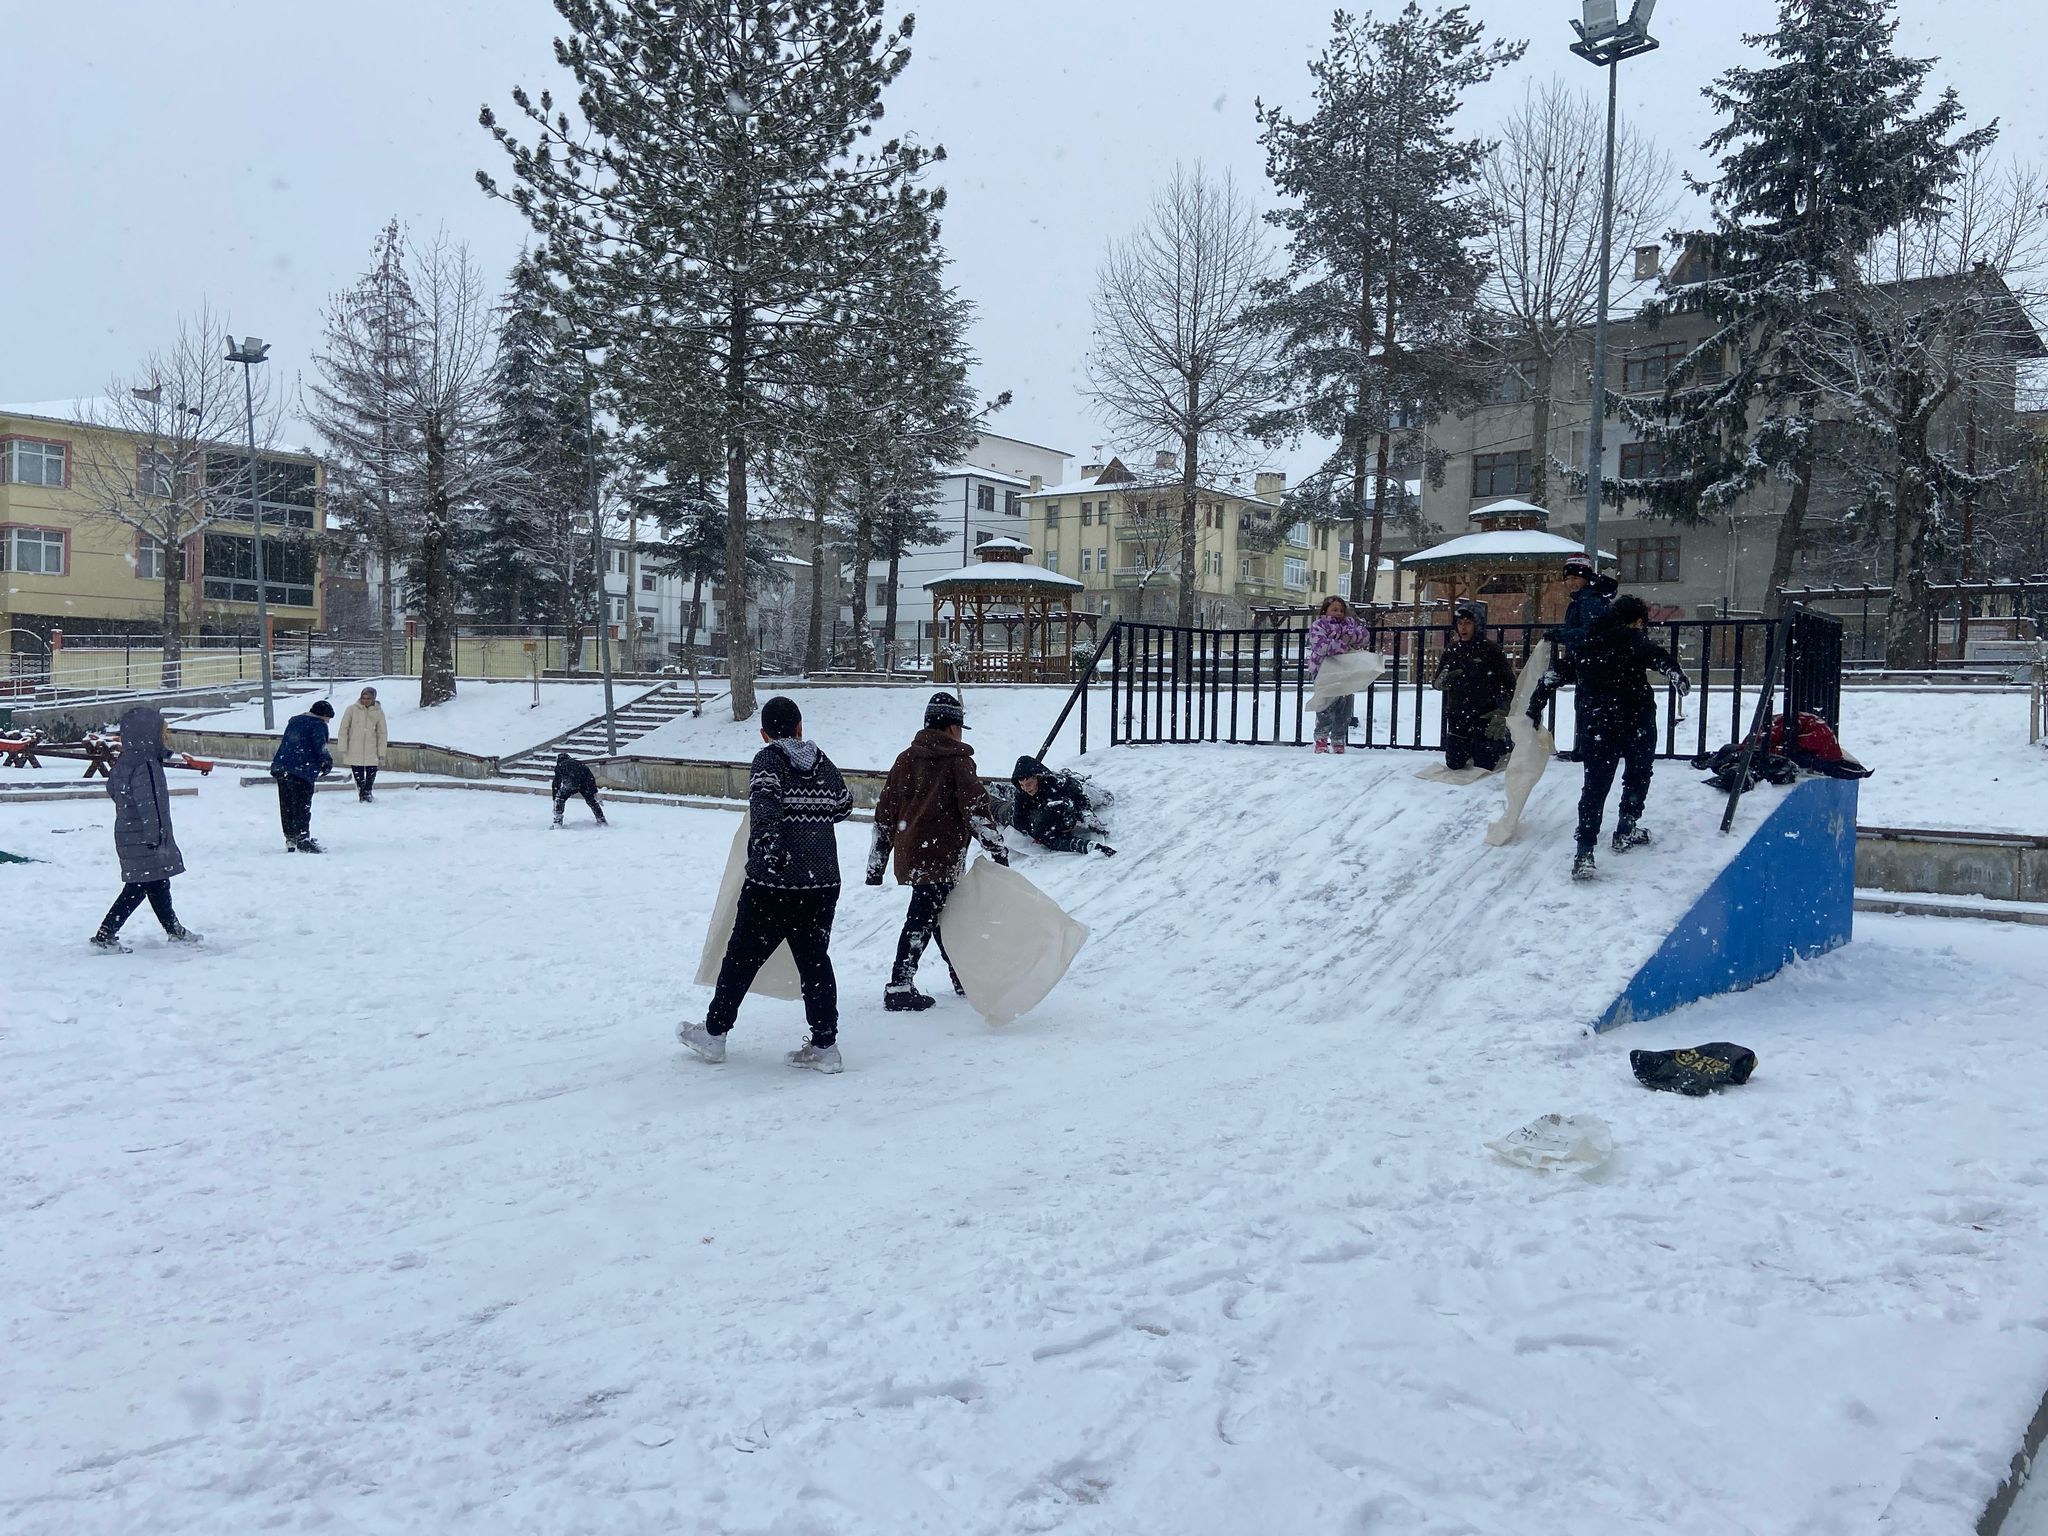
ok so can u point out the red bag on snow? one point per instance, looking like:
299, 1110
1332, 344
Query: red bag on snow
1815, 747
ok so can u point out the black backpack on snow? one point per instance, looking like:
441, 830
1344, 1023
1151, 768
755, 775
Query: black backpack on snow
1696, 1072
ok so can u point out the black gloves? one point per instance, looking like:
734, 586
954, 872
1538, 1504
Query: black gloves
1105, 850
1002, 857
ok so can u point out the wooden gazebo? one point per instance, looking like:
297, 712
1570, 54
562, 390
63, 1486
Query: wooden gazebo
1509, 562
1002, 591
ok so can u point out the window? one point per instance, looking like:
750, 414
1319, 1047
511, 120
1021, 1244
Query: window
1102, 559
149, 558
1244, 570
1013, 504
1642, 461
619, 561
1087, 513
984, 498
1052, 559
1052, 514
29, 462
1087, 561
1296, 574
1647, 368
647, 581
1105, 605
1502, 474
155, 473
1298, 536
229, 562
285, 489
618, 610
35, 551
1649, 559
1509, 388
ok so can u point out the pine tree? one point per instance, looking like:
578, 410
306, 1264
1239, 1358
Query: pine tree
1383, 213
1821, 154
713, 206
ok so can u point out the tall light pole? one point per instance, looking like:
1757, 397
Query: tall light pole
251, 352
581, 345
1606, 42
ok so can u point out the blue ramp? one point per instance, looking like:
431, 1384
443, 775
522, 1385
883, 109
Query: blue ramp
1788, 895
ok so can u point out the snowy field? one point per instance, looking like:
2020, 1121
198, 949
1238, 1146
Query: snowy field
491, 719
396, 1208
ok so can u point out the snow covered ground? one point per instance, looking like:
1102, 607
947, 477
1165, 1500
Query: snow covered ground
487, 718
1947, 760
396, 1208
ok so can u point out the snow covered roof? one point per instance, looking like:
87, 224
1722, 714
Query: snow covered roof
1003, 572
1148, 482
976, 472
1511, 506
1003, 542
293, 436
1501, 544
790, 560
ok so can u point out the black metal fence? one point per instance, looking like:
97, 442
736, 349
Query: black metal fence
1166, 684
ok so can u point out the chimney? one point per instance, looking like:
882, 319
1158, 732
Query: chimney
1270, 484
1037, 484
1165, 460
1649, 262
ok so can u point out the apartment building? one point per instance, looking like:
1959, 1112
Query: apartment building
69, 567
1117, 531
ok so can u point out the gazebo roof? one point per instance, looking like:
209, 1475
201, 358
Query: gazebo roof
1009, 576
1510, 506
1501, 546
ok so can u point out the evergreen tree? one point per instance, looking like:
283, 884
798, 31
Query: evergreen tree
1821, 152
712, 208
1383, 213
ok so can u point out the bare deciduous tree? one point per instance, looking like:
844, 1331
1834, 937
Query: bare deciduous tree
1918, 347
1177, 358
1543, 194
183, 406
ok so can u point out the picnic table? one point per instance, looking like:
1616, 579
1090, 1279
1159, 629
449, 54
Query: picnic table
97, 752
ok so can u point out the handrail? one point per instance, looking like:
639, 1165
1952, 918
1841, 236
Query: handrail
1080, 688
1760, 721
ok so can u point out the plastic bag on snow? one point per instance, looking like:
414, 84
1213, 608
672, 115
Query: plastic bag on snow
1007, 939
777, 977
1346, 672
1578, 1142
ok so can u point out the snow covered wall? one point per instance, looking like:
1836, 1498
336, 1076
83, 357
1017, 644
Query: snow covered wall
1788, 895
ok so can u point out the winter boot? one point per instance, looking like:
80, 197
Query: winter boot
1627, 837
555, 825
107, 944
819, 1058
307, 845
182, 935
1337, 747
1582, 866
1322, 746
903, 997
699, 1039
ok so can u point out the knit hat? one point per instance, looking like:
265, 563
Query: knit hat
1579, 565
322, 708
942, 710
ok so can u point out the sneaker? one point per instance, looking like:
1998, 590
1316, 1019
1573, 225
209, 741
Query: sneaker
556, 824
708, 1046
1321, 747
291, 847
107, 944
307, 845
819, 1058
1626, 838
1582, 867
905, 998
183, 935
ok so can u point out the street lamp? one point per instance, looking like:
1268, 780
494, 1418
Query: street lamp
252, 351
580, 344
1605, 41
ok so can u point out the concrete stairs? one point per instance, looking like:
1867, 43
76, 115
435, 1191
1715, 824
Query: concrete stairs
640, 718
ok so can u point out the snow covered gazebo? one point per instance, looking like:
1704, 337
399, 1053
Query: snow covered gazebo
1511, 563
1002, 590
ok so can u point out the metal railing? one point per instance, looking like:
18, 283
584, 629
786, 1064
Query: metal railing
1251, 686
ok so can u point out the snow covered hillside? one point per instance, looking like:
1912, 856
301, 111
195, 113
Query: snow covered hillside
487, 718
395, 1207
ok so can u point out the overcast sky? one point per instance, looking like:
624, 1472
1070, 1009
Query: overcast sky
244, 153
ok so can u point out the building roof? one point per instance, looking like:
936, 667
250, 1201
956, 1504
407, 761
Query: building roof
976, 472
1502, 544
99, 413
1510, 506
1143, 482
1001, 573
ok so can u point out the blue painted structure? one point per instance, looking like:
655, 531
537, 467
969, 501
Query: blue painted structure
1788, 895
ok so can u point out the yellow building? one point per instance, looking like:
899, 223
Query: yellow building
1118, 533
73, 574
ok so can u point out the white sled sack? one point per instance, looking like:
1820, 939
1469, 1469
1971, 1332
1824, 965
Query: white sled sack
1007, 939
1346, 672
1532, 746
776, 978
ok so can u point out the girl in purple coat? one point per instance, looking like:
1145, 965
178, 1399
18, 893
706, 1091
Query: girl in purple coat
1334, 633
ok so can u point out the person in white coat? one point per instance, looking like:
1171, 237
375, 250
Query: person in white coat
361, 741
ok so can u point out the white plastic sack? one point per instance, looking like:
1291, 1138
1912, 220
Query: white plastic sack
1346, 672
1578, 1142
1007, 939
778, 977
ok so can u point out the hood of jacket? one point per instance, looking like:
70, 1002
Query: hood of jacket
1027, 768
932, 741
142, 726
803, 755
